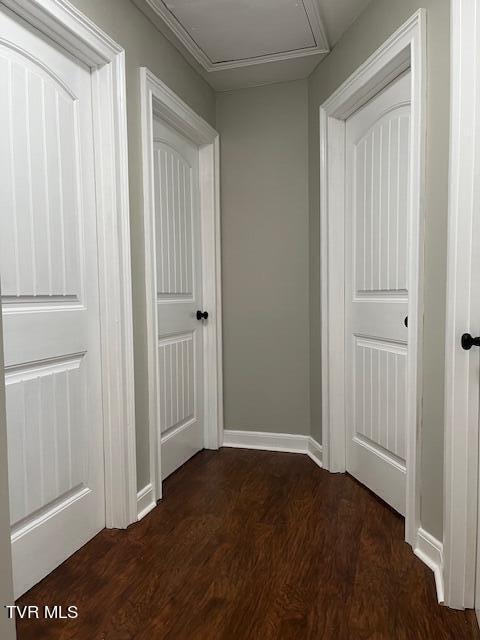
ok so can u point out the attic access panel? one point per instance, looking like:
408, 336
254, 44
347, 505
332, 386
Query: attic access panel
235, 30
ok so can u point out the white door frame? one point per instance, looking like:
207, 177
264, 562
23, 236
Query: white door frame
160, 101
65, 25
406, 48
463, 311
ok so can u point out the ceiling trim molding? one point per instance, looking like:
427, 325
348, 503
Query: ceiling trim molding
314, 14
312, 9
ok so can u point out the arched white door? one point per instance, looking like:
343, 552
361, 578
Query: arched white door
49, 273
376, 290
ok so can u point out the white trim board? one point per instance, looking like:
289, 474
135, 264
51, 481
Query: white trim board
145, 501
461, 471
406, 48
430, 552
160, 101
282, 442
65, 25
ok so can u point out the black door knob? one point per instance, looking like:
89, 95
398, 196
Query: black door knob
468, 342
202, 315
405, 322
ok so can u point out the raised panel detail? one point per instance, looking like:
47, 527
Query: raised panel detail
176, 363
46, 433
39, 184
380, 382
381, 205
173, 208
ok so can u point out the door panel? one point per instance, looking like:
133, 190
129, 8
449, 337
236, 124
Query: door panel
381, 165
380, 394
179, 296
173, 188
377, 201
48, 267
40, 239
176, 366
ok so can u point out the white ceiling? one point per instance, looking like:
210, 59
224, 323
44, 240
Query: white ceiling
229, 30
239, 43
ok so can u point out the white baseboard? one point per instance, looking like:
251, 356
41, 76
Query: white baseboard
430, 551
286, 442
315, 451
145, 501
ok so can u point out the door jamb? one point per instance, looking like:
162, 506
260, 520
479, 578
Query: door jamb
68, 27
160, 101
406, 48
463, 312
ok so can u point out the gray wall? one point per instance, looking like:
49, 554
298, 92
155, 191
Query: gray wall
7, 627
144, 46
265, 257
380, 20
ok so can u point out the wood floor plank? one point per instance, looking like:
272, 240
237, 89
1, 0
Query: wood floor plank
247, 545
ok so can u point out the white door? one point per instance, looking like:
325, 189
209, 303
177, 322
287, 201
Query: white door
48, 269
377, 205
179, 297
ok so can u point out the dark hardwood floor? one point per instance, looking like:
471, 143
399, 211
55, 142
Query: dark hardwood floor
249, 545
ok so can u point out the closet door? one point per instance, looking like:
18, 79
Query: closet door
179, 297
48, 269
377, 204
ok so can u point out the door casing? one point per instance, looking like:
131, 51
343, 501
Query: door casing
461, 506
158, 101
68, 27
405, 49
